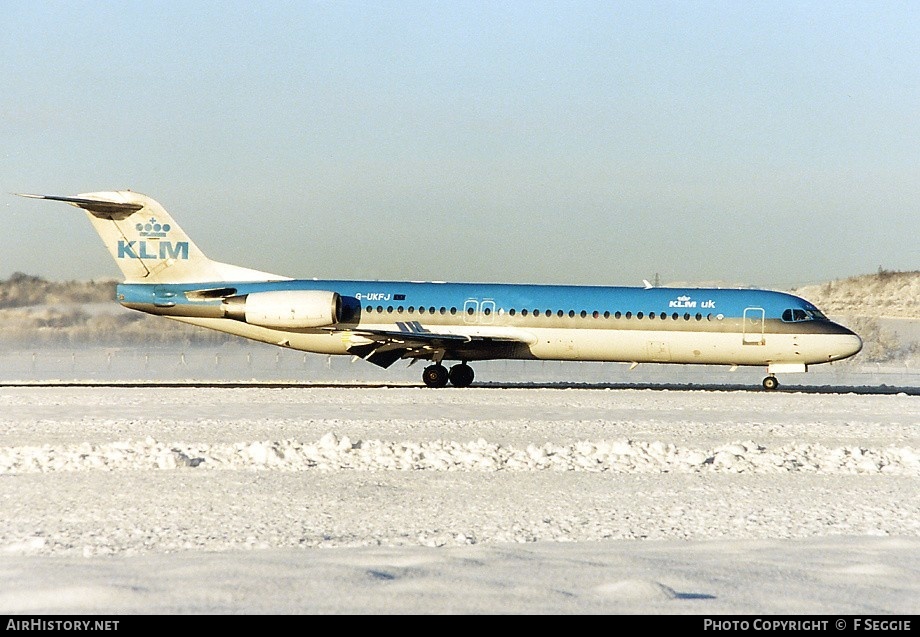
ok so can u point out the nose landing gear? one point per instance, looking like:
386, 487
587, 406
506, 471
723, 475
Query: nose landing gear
770, 383
437, 375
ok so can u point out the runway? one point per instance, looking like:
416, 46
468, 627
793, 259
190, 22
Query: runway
867, 390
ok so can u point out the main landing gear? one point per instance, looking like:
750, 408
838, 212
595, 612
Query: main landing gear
437, 375
770, 383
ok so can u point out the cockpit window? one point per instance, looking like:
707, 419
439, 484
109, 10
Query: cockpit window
817, 314
795, 315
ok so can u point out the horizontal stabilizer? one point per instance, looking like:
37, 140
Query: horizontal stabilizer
96, 206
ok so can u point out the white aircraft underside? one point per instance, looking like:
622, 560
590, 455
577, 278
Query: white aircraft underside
638, 346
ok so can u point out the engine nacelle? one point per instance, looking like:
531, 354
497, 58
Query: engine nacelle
285, 308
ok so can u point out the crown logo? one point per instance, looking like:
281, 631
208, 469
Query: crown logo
152, 228
683, 299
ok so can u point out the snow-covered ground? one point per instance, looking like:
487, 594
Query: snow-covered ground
523, 499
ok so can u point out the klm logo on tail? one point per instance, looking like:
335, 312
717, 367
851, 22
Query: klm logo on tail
153, 228
154, 248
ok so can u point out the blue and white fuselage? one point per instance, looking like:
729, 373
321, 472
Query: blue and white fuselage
385, 321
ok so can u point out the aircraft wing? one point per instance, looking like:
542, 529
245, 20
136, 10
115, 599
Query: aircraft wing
412, 340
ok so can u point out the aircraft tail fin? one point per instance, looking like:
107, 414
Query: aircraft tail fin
147, 244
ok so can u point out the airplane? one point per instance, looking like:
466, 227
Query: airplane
381, 322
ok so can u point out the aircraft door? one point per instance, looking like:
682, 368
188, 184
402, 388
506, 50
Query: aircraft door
753, 326
487, 311
476, 311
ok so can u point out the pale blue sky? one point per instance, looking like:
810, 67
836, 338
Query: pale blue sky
771, 143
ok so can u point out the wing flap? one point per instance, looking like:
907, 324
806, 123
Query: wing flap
412, 340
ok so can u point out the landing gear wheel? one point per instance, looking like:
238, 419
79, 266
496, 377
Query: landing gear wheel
461, 375
770, 383
435, 376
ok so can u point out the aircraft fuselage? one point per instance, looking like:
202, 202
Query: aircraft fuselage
545, 322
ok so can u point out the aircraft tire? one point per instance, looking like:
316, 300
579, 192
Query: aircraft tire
770, 383
435, 376
461, 375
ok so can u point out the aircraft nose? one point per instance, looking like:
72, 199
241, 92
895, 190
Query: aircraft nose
848, 344
854, 345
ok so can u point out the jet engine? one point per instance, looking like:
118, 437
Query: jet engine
285, 308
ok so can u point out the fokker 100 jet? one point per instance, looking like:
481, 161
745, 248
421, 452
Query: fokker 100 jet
382, 322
